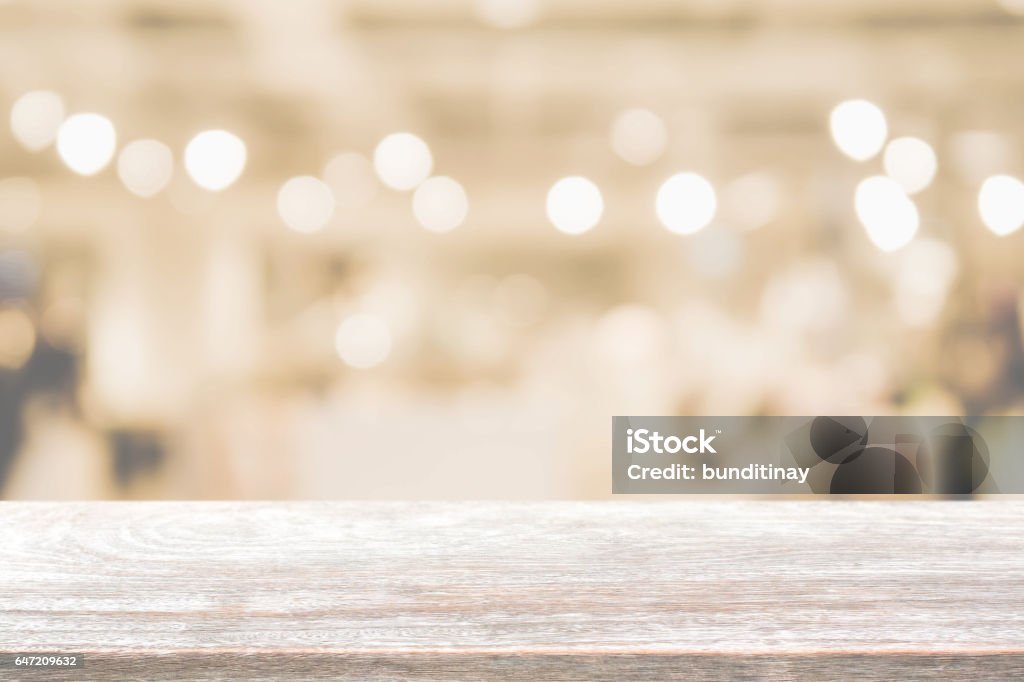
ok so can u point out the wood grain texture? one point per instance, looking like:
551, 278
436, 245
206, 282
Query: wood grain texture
618, 590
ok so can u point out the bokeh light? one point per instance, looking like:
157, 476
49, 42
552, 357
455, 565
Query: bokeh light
145, 167
305, 204
20, 204
686, 203
858, 128
440, 204
402, 161
911, 162
215, 159
1001, 204
574, 205
35, 119
639, 136
887, 213
363, 341
86, 143
351, 179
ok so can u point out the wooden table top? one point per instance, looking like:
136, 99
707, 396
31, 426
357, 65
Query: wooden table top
613, 590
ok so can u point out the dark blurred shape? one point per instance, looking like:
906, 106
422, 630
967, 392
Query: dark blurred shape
52, 370
876, 470
831, 437
136, 452
19, 275
1006, 324
956, 460
11, 428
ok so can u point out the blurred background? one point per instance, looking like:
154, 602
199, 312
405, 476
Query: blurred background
410, 249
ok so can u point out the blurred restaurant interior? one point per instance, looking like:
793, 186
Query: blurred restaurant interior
385, 249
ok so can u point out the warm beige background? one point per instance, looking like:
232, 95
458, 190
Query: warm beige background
201, 329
